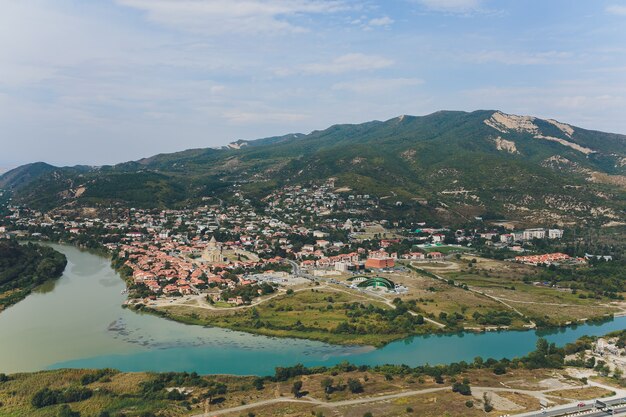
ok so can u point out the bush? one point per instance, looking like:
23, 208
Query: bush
469, 403
47, 397
355, 386
463, 389
499, 369
259, 384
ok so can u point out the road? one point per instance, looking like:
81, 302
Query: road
575, 410
309, 400
572, 409
557, 411
298, 272
478, 292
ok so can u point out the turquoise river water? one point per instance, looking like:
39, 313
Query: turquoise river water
78, 322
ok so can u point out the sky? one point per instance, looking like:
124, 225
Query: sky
106, 81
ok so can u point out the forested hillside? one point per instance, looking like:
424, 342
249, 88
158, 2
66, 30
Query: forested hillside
451, 165
23, 267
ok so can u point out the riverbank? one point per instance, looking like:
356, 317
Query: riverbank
468, 389
25, 268
318, 313
336, 315
323, 314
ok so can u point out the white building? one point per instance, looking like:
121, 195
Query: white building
530, 234
555, 233
341, 266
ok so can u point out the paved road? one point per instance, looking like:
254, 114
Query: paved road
617, 401
558, 411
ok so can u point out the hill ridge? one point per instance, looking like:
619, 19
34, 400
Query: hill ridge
513, 165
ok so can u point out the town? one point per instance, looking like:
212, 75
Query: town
175, 252
200, 264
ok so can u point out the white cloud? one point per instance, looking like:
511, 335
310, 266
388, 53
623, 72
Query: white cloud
232, 16
256, 117
590, 104
381, 21
349, 63
616, 9
377, 85
518, 58
452, 6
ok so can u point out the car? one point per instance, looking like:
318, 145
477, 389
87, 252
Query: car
581, 404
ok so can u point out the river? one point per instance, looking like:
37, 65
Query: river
78, 322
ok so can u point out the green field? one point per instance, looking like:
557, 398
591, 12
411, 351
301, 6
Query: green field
318, 314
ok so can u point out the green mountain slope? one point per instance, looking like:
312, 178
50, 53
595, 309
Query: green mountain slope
449, 165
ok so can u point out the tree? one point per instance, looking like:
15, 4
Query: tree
487, 403
295, 389
355, 386
499, 369
461, 388
327, 385
44, 398
259, 384
217, 388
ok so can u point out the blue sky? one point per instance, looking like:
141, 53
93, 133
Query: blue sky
106, 81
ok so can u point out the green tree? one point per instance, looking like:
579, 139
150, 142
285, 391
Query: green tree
355, 386
327, 385
295, 389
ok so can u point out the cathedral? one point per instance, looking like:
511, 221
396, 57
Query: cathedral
214, 252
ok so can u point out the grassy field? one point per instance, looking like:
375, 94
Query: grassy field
146, 394
473, 294
504, 280
586, 393
314, 313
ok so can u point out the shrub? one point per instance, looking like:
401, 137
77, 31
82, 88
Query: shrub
499, 369
463, 389
355, 386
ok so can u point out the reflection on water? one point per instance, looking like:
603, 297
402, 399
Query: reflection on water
46, 287
79, 322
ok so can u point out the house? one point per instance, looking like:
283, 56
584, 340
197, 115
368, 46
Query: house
380, 262
438, 238
385, 243
507, 238
555, 233
414, 256
530, 234
436, 255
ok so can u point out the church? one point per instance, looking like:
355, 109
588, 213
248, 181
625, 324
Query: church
214, 252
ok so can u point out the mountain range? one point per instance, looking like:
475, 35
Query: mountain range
449, 165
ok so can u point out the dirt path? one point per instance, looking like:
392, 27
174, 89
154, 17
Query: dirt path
310, 400
476, 391
491, 297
